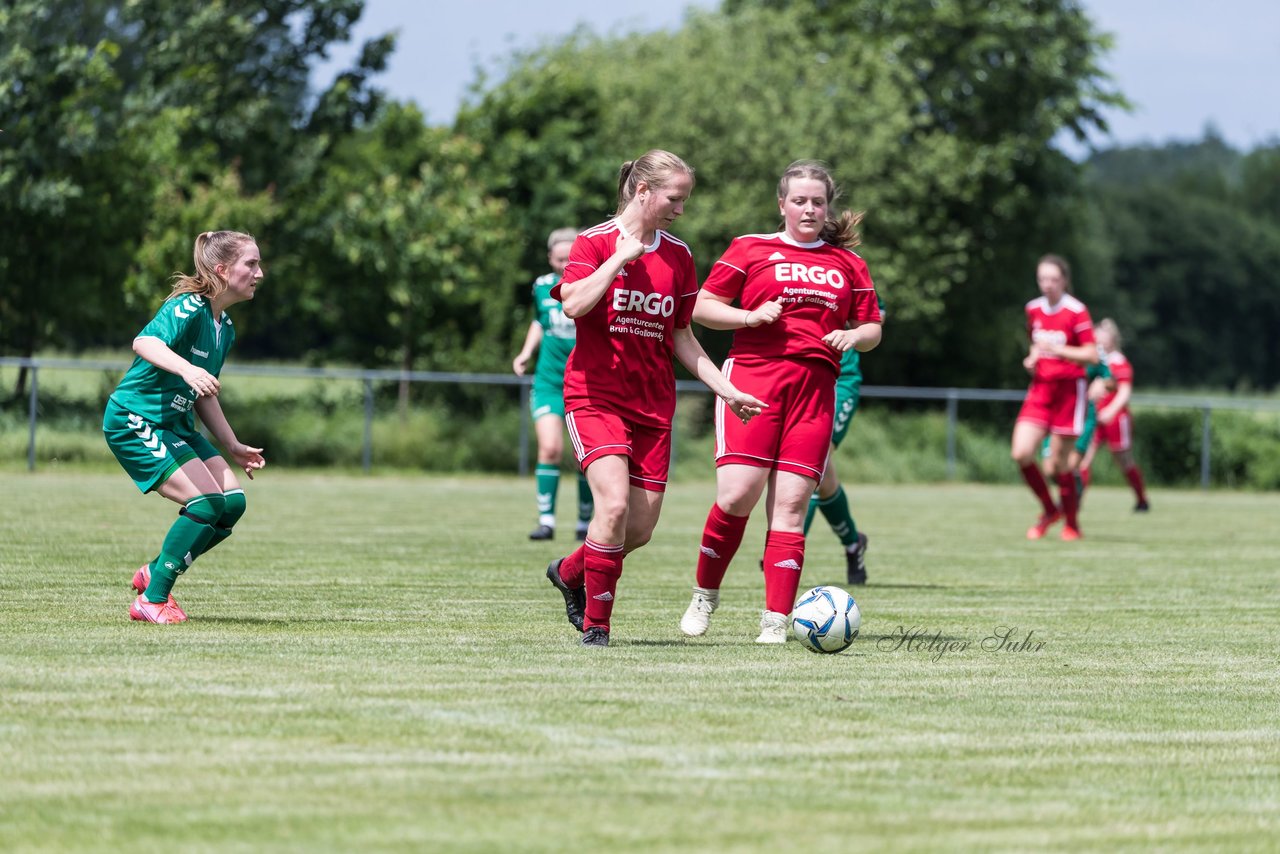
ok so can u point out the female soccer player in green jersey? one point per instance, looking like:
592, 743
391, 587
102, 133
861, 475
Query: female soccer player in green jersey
552, 335
150, 418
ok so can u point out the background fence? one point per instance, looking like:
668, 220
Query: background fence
950, 398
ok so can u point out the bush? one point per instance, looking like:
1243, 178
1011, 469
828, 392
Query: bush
451, 428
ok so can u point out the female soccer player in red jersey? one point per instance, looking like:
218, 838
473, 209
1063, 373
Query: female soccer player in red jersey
1062, 344
805, 298
630, 286
1115, 426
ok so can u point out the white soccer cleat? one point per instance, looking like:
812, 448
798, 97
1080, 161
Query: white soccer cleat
697, 617
773, 628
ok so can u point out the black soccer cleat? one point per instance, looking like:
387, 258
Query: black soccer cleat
596, 636
575, 601
543, 532
1141, 507
856, 561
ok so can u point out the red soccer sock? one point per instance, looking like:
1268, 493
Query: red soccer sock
1070, 500
1133, 474
783, 563
1035, 479
1086, 475
573, 565
604, 565
720, 540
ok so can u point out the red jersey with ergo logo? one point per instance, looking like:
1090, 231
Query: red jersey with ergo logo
622, 359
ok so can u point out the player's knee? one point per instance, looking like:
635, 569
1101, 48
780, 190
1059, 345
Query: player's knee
233, 508
206, 509
636, 539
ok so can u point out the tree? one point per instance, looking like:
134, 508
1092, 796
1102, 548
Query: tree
1187, 234
937, 117
109, 109
416, 253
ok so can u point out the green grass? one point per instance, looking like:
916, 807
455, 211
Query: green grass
378, 664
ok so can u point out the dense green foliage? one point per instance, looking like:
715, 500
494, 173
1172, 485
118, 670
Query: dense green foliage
312, 423
1189, 239
131, 126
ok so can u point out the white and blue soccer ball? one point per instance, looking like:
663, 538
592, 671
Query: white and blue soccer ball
826, 619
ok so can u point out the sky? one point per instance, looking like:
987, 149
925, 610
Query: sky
1184, 66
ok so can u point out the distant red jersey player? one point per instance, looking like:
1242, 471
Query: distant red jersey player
803, 298
630, 287
1115, 424
1061, 335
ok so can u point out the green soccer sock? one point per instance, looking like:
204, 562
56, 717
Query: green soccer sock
546, 478
586, 501
233, 508
813, 508
836, 511
187, 538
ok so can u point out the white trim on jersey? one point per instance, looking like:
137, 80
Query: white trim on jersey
677, 241
718, 418
1067, 303
1082, 406
731, 266
602, 228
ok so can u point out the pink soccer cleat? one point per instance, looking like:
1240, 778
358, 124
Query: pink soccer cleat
1041, 526
150, 612
1069, 533
142, 578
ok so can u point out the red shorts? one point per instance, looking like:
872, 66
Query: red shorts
794, 433
597, 432
1118, 435
1056, 405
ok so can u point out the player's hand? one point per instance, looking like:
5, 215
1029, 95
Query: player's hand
767, 313
842, 340
743, 405
249, 459
203, 383
629, 247
518, 364
1105, 417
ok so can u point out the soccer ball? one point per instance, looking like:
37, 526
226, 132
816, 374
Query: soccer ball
826, 619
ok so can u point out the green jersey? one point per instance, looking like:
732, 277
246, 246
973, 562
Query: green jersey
187, 326
558, 333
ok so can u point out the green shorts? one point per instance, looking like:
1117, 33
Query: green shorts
847, 396
150, 454
546, 400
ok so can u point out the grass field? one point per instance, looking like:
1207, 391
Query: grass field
379, 664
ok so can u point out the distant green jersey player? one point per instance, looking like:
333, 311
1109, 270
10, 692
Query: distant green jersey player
149, 422
552, 335
830, 496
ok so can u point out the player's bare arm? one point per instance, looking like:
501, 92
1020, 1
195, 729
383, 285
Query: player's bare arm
580, 296
718, 312
158, 353
248, 458
863, 337
531, 342
690, 353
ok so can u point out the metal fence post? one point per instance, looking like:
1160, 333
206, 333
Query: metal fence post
1204, 447
953, 409
32, 406
366, 453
